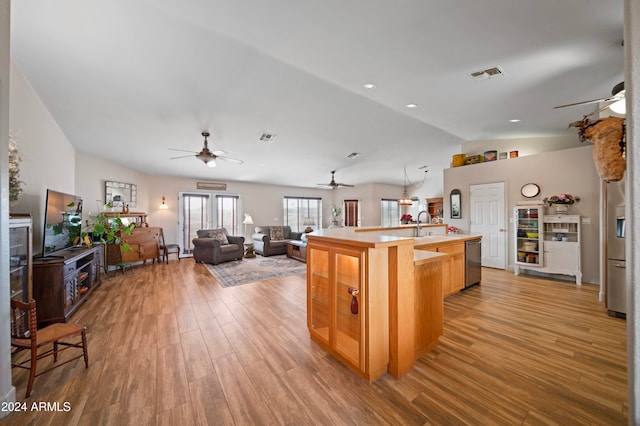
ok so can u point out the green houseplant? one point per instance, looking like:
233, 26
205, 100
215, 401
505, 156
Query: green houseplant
109, 231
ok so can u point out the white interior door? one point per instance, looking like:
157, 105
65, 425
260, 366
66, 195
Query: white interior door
488, 219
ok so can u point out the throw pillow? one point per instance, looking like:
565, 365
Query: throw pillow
219, 235
277, 233
204, 233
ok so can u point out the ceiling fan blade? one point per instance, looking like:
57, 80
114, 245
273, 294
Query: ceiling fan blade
183, 150
182, 156
229, 159
345, 184
615, 97
219, 153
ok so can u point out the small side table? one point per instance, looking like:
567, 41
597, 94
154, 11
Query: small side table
249, 250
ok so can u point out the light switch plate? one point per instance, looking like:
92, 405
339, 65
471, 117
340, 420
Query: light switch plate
586, 221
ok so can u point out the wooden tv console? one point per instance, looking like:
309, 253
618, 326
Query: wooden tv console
61, 283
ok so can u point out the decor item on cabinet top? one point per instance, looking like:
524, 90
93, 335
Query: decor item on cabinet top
453, 230
406, 218
561, 202
566, 198
491, 155
15, 184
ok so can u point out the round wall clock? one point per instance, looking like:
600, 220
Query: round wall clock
530, 190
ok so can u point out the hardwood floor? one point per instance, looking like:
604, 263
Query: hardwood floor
168, 345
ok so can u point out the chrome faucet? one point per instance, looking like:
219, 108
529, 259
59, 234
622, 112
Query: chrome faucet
418, 221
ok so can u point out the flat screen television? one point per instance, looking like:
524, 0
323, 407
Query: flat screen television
62, 222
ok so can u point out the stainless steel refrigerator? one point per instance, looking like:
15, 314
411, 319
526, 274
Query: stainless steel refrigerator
615, 232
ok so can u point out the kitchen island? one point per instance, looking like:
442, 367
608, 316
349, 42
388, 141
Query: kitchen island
375, 302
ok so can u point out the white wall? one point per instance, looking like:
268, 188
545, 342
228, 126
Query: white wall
570, 170
632, 87
263, 202
91, 174
48, 158
7, 391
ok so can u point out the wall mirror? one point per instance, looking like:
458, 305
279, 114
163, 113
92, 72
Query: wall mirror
120, 194
455, 204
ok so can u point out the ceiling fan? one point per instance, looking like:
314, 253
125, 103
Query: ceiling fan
617, 99
333, 184
207, 156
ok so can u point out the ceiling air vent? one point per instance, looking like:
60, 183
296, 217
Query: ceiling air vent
488, 73
267, 137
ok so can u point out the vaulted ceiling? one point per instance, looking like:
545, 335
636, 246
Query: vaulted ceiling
127, 80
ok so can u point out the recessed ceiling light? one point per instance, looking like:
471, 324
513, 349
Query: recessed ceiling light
369, 86
514, 120
411, 105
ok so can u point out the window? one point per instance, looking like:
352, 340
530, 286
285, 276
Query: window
195, 216
227, 213
297, 209
389, 212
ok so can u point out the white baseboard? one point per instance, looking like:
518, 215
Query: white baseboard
10, 397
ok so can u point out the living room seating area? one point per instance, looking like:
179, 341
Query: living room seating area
272, 240
216, 246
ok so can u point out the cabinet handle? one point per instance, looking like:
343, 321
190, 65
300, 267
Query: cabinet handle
617, 265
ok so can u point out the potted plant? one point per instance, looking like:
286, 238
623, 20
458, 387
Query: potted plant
335, 212
561, 202
108, 231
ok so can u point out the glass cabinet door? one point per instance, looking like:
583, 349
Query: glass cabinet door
319, 292
528, 242
349, 308
19, 263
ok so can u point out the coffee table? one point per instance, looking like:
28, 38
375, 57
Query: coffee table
297, 250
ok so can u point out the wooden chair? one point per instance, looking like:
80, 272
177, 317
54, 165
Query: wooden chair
26, 336
166, 249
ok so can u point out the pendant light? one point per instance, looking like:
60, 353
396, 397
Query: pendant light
405, 200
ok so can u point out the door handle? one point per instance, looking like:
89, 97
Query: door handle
502, 230
617, 265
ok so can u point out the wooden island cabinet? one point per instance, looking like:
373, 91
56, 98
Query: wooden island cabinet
354, 331
399, 290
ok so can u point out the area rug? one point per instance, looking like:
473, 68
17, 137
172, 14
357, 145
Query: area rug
255, 269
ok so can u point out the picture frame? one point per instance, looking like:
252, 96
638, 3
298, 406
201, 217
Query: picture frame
120, 194
456, 204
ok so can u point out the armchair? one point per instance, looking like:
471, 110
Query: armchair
215, 246
271, 240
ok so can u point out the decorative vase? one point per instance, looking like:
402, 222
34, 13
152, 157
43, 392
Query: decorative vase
561, 208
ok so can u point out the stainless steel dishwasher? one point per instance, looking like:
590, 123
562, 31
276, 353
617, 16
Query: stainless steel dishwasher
473, 270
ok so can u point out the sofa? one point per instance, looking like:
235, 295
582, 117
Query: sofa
272, 240
216, 246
